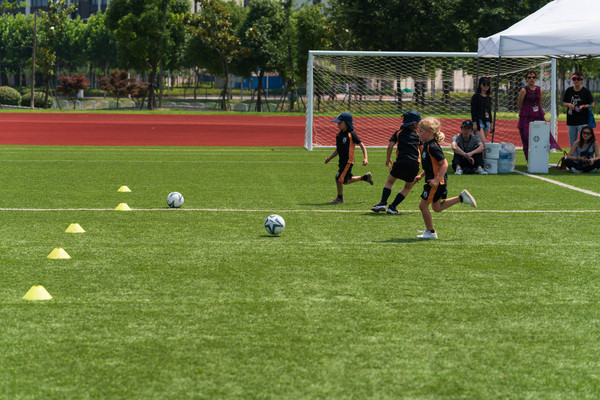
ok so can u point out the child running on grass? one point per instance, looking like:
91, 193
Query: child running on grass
345, 141
406, 166
435, 166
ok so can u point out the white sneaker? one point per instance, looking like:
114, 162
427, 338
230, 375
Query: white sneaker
481, 171
575, 171
427, 235
459, 171
467, 198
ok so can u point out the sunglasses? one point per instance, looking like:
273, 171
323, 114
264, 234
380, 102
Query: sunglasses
577, 79
531, 77
485, 84
586, 132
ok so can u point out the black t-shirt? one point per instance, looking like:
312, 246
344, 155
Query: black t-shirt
481, 108
407, 142
345, 142
431, 159
584, 96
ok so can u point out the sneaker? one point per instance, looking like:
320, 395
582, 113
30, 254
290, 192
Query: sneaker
458, 171
427, 235
481, 171
337, 200
392, 210
369, 178
378, 207
575, 171
594, 171
467, 198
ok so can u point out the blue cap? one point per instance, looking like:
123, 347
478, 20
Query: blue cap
409, 118
347, 118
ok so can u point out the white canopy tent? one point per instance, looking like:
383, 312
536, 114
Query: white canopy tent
562, 28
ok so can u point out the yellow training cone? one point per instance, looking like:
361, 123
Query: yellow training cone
124, 189
58, 254
123, 207
37, 293
75, 228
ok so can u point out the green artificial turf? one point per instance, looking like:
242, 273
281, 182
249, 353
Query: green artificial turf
201, 303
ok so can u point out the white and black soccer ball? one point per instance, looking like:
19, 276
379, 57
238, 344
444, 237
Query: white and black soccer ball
274, 224
174, 200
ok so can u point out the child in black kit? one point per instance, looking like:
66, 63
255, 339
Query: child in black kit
406, 166
345, 141
435, 165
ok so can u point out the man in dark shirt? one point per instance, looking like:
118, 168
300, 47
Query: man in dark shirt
468, 151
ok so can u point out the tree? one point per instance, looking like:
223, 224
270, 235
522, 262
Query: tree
71, 46
147, 32
20, 42
101, 44
70, 85
214, 29
425, 25
261, 35
121, 84
52, 27
311, 34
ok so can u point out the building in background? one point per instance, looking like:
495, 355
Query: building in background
85, 8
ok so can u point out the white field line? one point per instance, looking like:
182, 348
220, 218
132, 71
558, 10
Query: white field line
170, 161
559, 184
297, 211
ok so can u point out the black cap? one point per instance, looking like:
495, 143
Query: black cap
468, 123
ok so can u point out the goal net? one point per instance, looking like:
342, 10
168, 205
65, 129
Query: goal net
378, 87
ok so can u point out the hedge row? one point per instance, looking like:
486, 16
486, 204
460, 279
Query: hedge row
11, 97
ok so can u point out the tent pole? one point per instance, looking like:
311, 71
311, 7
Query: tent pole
496, 105
553, 88
477, 76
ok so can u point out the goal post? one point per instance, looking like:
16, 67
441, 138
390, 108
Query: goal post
378, 87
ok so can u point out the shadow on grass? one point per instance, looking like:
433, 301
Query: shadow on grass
411, 240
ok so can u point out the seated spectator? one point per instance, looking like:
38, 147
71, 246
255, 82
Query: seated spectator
584, 155
468, 151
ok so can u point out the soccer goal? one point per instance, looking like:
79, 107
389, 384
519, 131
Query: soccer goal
378, 87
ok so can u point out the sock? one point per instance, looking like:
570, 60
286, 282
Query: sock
341, 197
398, 200
384, 196
432, 231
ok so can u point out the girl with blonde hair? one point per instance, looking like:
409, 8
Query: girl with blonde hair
435, 165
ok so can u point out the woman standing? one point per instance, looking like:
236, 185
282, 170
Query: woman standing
578, 100
530, 109
481, 109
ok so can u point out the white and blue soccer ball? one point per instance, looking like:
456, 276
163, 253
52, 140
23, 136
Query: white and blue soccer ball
274, 224
174, 200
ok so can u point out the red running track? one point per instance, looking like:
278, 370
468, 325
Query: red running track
184, 130
150, 130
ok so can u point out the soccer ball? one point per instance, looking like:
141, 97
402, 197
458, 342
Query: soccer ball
174, 200
274, 224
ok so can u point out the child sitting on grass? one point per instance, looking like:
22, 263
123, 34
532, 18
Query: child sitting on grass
435, 166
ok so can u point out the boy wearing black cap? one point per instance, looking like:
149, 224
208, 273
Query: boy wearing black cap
345, 141
468, 151
578, 100
406, 166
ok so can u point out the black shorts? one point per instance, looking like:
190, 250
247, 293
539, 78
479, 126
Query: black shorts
344, 173
432, 195
407, 171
